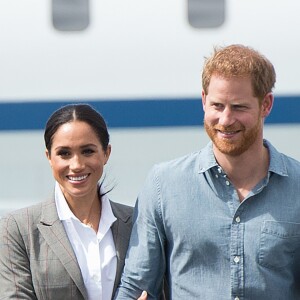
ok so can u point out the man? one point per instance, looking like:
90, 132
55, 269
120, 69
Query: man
223, 223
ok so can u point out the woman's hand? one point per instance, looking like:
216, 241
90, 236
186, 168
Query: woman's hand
143, 296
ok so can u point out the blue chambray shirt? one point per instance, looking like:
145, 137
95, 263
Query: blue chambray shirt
190, 223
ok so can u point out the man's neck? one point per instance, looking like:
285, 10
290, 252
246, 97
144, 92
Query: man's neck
246, 170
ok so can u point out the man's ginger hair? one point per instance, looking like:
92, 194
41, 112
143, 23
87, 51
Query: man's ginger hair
240, 61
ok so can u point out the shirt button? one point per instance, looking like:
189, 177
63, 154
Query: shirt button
227, 182
236, 259
96, 278
217, 176
236, 298
238, 219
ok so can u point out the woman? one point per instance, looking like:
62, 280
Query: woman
72, 246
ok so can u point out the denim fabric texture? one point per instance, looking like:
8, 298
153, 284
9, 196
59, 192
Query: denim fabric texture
190, 225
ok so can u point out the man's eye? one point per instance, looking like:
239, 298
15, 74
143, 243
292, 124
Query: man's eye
239, 107
218, 105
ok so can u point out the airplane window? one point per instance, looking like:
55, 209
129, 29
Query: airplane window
206, 13
70, 15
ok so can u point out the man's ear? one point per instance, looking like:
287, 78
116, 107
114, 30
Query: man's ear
267, 104
203, 100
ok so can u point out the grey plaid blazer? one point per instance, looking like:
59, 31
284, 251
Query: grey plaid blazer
37, 260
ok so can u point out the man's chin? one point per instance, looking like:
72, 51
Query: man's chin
229, 149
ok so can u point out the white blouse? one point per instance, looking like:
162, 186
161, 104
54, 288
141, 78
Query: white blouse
95, 252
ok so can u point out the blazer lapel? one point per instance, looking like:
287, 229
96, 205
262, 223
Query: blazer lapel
54, 234
121, 230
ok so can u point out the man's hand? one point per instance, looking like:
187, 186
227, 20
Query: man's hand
143, 296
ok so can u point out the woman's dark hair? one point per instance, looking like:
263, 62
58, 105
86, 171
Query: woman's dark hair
80, 112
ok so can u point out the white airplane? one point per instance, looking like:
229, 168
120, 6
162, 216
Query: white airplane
139, 63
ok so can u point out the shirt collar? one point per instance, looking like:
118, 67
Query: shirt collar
207, 158
65, 213
107, 216
277, 162
63, 209
277, 165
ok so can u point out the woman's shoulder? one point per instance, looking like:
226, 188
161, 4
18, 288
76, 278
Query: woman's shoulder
121, 210
26, 216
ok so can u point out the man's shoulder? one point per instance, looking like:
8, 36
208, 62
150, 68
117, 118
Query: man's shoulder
282, 163
291, 163
180, 161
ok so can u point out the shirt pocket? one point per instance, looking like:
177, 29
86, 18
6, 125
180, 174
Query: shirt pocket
278, 243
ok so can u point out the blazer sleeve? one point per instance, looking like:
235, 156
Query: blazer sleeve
15, 274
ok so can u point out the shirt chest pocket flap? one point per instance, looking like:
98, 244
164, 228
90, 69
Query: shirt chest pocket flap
278, 244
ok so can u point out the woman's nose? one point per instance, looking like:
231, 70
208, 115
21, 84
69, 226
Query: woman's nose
76, 163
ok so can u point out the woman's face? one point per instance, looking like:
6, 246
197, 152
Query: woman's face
77, 160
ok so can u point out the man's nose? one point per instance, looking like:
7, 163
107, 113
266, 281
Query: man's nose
226, 117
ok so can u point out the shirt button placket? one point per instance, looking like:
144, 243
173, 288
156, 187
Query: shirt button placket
237, 265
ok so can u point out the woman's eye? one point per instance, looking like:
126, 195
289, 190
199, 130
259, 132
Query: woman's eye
88, 151
63, 153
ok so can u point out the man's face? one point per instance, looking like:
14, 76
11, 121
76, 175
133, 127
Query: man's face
233, 116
